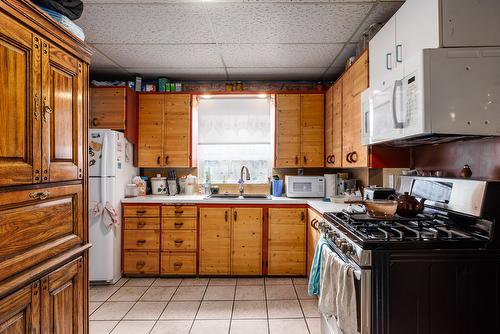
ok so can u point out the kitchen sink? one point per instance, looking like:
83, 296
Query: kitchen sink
238, 197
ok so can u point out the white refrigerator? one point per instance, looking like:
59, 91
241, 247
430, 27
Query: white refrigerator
110, 170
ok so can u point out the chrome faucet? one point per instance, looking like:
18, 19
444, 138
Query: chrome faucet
242, 180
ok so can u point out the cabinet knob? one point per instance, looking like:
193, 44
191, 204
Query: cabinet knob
354, 156
94, 121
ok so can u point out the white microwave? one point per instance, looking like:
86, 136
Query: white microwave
443, 94
305, 186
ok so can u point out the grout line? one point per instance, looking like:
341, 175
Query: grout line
199, 306
302, 309
349, 41
267, 308
214, 37
168, 302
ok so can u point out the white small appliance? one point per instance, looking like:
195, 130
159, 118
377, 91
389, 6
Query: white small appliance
110, 170
305, 186
445, 94
331, 185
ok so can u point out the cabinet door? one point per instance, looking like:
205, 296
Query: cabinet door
287, 241
288, 132
382, 56
107, 108
246, 241
150, 146
62, 300
19, 104
312, 120
337, 127
354, 154
62, 115
177, 125
20, 311
328, 126
312, 236
215, 240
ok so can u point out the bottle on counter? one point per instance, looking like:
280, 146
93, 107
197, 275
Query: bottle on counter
207, 184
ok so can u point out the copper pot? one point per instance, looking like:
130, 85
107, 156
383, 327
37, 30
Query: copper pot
378, 208
409, 206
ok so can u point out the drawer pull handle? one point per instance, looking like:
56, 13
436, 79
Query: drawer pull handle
39, 195
141, 212
302, 216
141, 224
141, 242
235, 215
178, 242
177, 265
178, 212
178, 225
140, 264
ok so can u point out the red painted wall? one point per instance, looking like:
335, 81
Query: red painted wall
482, 155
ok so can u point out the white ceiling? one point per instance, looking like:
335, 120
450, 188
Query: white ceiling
228, 39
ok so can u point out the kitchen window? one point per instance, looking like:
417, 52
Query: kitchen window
234, 131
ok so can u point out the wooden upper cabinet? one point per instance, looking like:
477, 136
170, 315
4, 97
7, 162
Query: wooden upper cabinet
246, 241
355, 80
299, 130
150, 143
329, 127
177, 126
337, 127
312, 121
62, 300
19, 104
20, 311
62, 115
288, 136
164, 130
114, 108
215, 241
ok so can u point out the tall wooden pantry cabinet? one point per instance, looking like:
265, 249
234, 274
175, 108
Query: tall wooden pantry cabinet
43, 174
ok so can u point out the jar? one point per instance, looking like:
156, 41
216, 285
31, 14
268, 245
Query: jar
159, 185
229, 87
239, 86
131, 190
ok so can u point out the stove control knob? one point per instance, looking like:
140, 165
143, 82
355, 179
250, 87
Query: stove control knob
349, 249
339, 242
343, 247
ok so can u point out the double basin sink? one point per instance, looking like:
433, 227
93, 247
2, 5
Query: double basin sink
238, 197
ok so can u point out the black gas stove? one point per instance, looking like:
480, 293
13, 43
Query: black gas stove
426, 230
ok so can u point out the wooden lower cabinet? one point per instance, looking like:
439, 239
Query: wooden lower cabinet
53, 305
215, 241
175, 263
313, 218
62, 300
20, 311
287, 241
246, 241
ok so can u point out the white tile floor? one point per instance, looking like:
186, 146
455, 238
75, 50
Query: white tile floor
205, 306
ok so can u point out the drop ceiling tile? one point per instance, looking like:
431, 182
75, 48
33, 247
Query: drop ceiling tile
181, 73
286, 22
283, 73
279, 55
163, 55
145, 23
100, 60
382, 12
350, 50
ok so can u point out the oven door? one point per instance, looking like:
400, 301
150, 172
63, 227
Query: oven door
363, 299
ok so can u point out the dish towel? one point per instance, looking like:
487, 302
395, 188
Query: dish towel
329, 288
314, 275
347, 317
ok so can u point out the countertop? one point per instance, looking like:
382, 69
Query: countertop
315, 203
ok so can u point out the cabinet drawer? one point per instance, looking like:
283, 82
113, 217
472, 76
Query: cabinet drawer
142, 239
178, 240
142, 223
141, 211
287, 216
178, 263
38, 224
179, 211
141, 263
178, 223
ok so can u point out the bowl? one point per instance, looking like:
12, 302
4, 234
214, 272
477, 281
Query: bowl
382, 208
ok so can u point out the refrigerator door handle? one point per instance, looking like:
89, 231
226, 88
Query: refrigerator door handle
104, 160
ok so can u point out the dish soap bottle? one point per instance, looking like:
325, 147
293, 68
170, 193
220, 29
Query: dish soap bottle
206, 185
